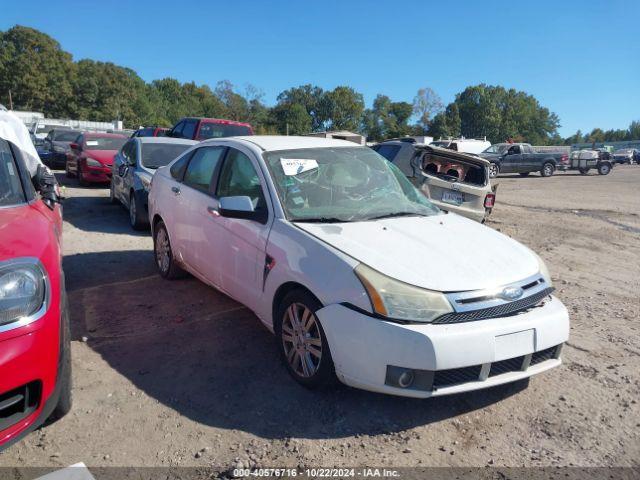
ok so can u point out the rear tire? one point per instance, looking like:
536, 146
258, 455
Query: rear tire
167, 266
547, 169
81, 180
136, 214
302, 342
604, 169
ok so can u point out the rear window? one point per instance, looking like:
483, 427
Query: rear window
218, 130
156, 155
387, 151
65, 136
104, 143
11, 191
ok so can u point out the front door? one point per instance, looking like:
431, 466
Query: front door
243, 246
512, 161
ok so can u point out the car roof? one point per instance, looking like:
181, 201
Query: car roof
281, 142
103, 135
222, 121
176, 141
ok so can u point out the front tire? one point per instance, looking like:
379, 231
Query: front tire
494, 170
604, 169
136, 211
112, 194
163, 254
547, 169
65, 401
302, 342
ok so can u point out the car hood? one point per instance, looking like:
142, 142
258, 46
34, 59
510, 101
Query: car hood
443, 252
103, 156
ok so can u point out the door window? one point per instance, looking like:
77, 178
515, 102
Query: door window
387, 151
189, 129
239, 178
201, 168
177, 130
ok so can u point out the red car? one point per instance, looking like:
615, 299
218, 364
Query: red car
150, 132
91, 157
35, 360
206, 128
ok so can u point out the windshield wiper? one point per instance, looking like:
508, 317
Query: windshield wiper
320, 220
395, 214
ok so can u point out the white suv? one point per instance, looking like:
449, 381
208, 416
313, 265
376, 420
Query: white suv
354, 270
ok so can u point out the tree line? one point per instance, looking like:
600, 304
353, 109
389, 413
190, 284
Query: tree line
40, 76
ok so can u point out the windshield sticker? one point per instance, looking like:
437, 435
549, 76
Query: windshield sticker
91, 143
296, 166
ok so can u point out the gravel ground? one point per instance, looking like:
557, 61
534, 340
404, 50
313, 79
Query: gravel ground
176, 374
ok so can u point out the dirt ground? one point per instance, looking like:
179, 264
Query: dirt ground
176, 374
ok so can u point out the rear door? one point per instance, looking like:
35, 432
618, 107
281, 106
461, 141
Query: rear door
200, 210
243, 243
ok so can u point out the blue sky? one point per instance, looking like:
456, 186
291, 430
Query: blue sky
581, 59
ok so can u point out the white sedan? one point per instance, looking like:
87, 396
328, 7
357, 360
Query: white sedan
358, 275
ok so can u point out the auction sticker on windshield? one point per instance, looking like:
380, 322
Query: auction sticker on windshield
296, 166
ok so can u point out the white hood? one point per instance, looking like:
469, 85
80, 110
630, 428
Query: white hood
446, 253
13, 130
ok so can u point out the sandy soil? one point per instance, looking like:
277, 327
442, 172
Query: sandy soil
176, 374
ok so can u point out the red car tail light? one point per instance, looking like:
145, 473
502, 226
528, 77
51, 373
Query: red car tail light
489, 200
564, 158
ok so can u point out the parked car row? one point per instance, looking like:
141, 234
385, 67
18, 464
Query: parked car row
330, 244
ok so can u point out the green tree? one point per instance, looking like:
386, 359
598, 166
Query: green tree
344, 107
426, 104
36, 71
311, 98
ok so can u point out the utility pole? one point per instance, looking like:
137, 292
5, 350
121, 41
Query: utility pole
10, 101
287, 129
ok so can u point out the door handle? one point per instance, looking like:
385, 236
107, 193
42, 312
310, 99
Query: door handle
213, 211
175, 190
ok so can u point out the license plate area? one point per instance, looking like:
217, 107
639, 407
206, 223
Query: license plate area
514, 344
454, 198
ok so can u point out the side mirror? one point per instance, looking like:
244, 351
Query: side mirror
45, 183
240, 207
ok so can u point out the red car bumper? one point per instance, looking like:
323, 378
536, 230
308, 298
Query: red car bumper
30, 360
96, 174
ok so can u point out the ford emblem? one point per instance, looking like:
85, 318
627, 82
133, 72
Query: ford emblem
511, 293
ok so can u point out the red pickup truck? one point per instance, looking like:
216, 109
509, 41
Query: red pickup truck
35, 363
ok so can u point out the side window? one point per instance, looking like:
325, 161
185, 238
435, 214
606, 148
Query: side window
200, 170
126, 150
189, 128
239, 178
11, 192
388, 151
177, 131
179, 166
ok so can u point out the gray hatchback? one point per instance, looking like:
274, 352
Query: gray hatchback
133, 167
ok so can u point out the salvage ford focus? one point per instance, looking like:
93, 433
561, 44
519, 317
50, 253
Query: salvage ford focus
358, 275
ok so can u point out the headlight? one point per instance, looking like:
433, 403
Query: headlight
22, 289
91, 162
394, 299
58, 149
544, 271
146, 181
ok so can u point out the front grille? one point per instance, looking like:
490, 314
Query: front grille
543, 355
455, 376
504, 366
19, 403
504, 310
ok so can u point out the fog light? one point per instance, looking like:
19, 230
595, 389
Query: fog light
406, 379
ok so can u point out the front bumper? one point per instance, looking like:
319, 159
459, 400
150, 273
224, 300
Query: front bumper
27, 360
96, 174
363, 347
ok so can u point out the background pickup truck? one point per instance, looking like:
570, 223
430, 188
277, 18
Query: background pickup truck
521, 158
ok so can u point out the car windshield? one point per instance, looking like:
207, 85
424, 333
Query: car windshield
440, 144
156, 155
497, 148
45, 128
104, 143
65, 136
343, 184
218, 130
11, 191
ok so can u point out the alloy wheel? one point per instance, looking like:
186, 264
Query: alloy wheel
163, 250
301, 340
493, 170
548, 170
